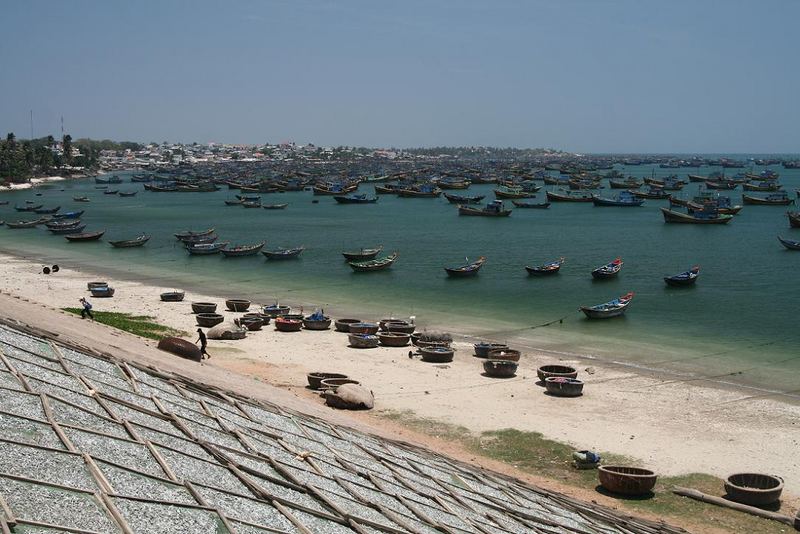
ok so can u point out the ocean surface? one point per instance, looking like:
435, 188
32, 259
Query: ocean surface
738, 324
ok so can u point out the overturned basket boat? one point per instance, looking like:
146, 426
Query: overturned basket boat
500, 368
626, 480
237, 305
546, 371
394, 339
180, 347
755, 489
343, 325
364, 328
437, 354
315, 378
283, 324
560, 386
172, 296
482, 349
363, 341
207, 320
204, 307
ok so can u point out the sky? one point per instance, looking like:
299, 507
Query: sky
586, 76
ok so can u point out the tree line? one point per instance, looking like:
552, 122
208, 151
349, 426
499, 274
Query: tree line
20, 160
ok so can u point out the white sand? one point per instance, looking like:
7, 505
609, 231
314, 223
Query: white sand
671, 427
32, 183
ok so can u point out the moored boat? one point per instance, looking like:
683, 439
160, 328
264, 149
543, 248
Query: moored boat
131, 243
364, 254
283, 253
204, 249
374, 264
460, 199
47, 211
686, 278
69, 215
703, 216
72, 229
25, 224
29, 207
274, 206
468, 269
608, 270
513, 191
495, 208
81, 199
355, 199
242, 250
794, 218
570, 196
612, 308
653, 192
623, 199
790, 244
546, 269
87, 236
531, 205
779, 198
188, 235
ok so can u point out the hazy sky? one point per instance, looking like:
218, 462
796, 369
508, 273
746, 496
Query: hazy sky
590, 76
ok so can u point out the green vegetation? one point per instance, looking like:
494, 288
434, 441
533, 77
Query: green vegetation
531, 453
141, 325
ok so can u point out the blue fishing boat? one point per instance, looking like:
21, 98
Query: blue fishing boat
355, 199
69, 215
608, 270
790, 244
686, 278
612, 308
623, 199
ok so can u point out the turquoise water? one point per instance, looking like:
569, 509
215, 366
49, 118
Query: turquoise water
739, 317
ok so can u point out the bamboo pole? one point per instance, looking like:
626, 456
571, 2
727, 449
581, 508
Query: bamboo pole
719, 501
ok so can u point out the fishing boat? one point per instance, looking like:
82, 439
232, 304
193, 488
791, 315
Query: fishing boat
88, 236
623, 199
29, 207
545, 269
569, 196
779, 198
697, 178
72, 229
251, 204
686, 278
513, 191
128, 193
111, 192
235, 202
460, 199
705, 215
609, 270
81, 199
794, 218
274, 206
69, 215
495, 208
761, 186
653, 192
47, 211
728, 185
468, 269
66, 223
24, 224
453, 183
334, 188
531, 205
189, 235
629, 183
131, 243
204, 249
374, 264
109, 180
242, 250
790, 244
355, 199
612, 308
420, 191
364, 254
283, 253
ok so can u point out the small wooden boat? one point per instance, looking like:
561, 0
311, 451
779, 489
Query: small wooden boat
531, 205
274, 206
102, 291
72, 229
468, 269
630, 183
69, 215
204, 249
728, 185
794, 218
110, 192
612, 308
546, 269
189, 235
788, 243
283, 253
422, 191
569, 196
495, 208
242, 250
28, 208
248, 204
47, 211
25, 224
608, 270
374, 264
626, 480
509, 191
686, 278
363, 255
625, 199
704, 216
128, 193
652, 193
563, 387
55, 225
355, 199
236, 202
172, 296
461, 199
761, 186
363, 341
81, 199
88, 236
780, 198
131, 243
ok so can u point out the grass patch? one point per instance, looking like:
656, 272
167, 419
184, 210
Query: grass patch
141, 325
532, 453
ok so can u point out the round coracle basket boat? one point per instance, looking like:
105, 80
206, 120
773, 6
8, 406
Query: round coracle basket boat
363, 341
237, 305
382, 322
204, 307
253, 324
208, 320
500, 368
626, 480
505, 354
427, 339
401, 327
288, 325
437, 354
755, 489
364, 328
482, 349
546, 371
393, 339
180, 347
343, 325
561, 386
334, 383
172, 296
315, 378
263, 316
317, 324
95, 285
292, 316
275, 310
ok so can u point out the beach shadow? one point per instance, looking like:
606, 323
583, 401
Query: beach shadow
498, 377
772, 507
643, 497
562, 396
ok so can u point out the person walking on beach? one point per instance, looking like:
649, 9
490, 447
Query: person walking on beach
203, 343
87, 309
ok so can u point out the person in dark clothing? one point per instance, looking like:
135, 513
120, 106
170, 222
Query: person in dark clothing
203, 342
87, 309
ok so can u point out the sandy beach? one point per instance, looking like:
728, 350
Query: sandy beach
670, 426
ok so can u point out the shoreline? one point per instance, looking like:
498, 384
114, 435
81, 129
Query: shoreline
650, 418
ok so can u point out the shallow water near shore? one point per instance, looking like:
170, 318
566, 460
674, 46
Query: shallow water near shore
737, 324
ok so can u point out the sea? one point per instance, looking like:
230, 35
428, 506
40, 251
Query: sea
737, 325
